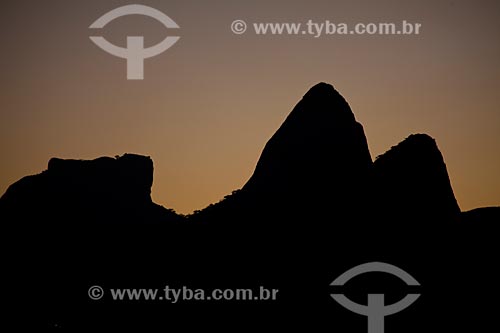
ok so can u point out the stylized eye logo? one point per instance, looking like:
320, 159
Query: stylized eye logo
376, 309
135, 53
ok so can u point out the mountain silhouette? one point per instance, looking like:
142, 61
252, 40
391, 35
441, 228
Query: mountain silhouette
318, 158
318, 165
102, 190
315, 206
412, 182
317, 162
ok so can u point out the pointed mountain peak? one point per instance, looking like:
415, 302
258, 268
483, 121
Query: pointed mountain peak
413, 177
415, 147
420, 139
323, 100
321, 89
319, 147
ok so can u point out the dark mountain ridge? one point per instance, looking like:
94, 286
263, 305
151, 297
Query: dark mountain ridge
412, 178
111, 190
315, 206
317, 160
317, 164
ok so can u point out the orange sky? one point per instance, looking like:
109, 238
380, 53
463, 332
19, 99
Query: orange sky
208, 105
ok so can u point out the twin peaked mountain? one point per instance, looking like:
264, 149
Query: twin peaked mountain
317, 165
315, 206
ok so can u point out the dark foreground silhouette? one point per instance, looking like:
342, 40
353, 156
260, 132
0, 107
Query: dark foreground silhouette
316, 206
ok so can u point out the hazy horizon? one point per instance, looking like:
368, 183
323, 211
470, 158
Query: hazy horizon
208, 105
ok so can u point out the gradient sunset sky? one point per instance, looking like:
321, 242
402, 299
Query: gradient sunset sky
208, 105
